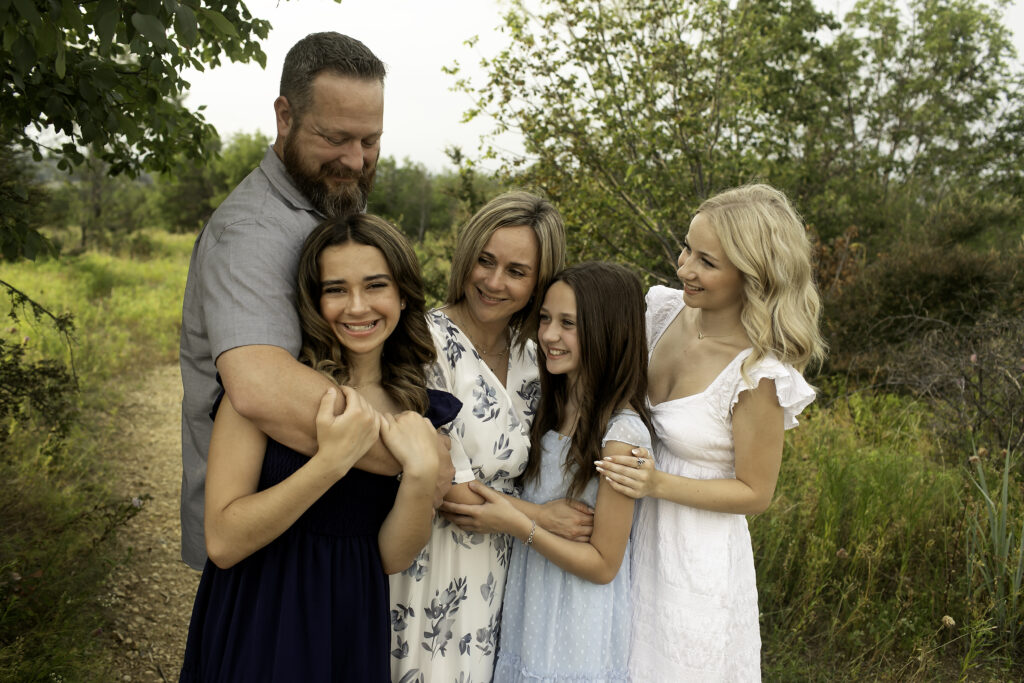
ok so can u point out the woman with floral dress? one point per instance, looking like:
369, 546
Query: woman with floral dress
447, 606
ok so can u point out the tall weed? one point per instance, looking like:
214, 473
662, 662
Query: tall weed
995, 553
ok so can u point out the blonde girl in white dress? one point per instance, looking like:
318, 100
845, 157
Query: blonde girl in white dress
725, 359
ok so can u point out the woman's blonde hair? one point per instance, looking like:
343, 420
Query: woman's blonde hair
763, 236
512, 209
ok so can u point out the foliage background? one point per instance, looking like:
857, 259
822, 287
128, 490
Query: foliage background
894, 549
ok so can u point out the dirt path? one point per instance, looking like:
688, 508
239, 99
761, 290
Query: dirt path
151, 595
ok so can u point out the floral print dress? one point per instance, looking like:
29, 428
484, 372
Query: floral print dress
446, 607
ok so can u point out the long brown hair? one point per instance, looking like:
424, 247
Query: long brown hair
408, 349
612, 370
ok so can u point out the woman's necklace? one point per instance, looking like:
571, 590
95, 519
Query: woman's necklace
480, 347
483, 352
701, 335
497, 354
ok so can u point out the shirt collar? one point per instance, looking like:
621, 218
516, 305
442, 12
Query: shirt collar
282, 181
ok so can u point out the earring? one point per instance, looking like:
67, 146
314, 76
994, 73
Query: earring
402, 306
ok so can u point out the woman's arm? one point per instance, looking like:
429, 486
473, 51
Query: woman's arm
573, 520
406, 529
599, 559
239, 520
757, 429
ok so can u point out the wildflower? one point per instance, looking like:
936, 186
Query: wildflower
136, 502
974, 358
842, 554
982, 451
974, 460
948, 621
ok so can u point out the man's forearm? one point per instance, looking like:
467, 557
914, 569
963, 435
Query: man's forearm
281, 395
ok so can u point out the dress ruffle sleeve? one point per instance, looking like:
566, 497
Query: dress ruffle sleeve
792, 390
663, 305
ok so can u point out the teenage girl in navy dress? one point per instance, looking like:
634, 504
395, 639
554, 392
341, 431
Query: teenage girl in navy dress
296, 586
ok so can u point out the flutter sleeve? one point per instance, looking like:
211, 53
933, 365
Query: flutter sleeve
663, 305
792, 390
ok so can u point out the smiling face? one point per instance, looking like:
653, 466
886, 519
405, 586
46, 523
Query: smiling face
359, 298
504, 276
331, 149
710, 280
558, 330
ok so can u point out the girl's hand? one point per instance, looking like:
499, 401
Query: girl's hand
344, 438
445, 469
494, 515
631, 475
570, 519
413, 441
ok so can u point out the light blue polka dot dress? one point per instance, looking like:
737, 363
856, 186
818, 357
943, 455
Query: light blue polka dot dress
556, 626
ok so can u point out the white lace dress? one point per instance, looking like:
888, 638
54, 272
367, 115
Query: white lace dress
446, 608
695, 614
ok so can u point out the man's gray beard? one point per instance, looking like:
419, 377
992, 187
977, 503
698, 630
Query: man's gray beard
347, 200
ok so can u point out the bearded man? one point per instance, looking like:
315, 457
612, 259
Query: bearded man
239, 317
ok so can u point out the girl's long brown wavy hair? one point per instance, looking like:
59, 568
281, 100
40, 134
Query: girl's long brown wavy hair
612, 370
408, 349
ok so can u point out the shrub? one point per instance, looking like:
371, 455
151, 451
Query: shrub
902, 294
973, 376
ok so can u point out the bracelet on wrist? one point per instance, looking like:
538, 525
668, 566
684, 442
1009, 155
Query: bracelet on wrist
533, 530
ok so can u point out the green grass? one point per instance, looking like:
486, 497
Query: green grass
863, 554
125, 310
58, 507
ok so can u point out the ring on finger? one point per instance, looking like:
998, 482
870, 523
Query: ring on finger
639, 463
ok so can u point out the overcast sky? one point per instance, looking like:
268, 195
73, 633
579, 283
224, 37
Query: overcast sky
415, 39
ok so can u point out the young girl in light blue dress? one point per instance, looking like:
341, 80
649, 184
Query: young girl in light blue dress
567, 609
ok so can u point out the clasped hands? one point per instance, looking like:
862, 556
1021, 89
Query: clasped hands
570, 519
411, 438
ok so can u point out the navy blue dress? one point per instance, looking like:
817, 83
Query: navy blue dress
313, 604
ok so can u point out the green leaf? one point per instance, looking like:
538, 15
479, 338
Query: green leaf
46, 40
71, 16
59, 65
107, 17
28, 12
105, 77
24, 54
219, 21
150, 27
185, 25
